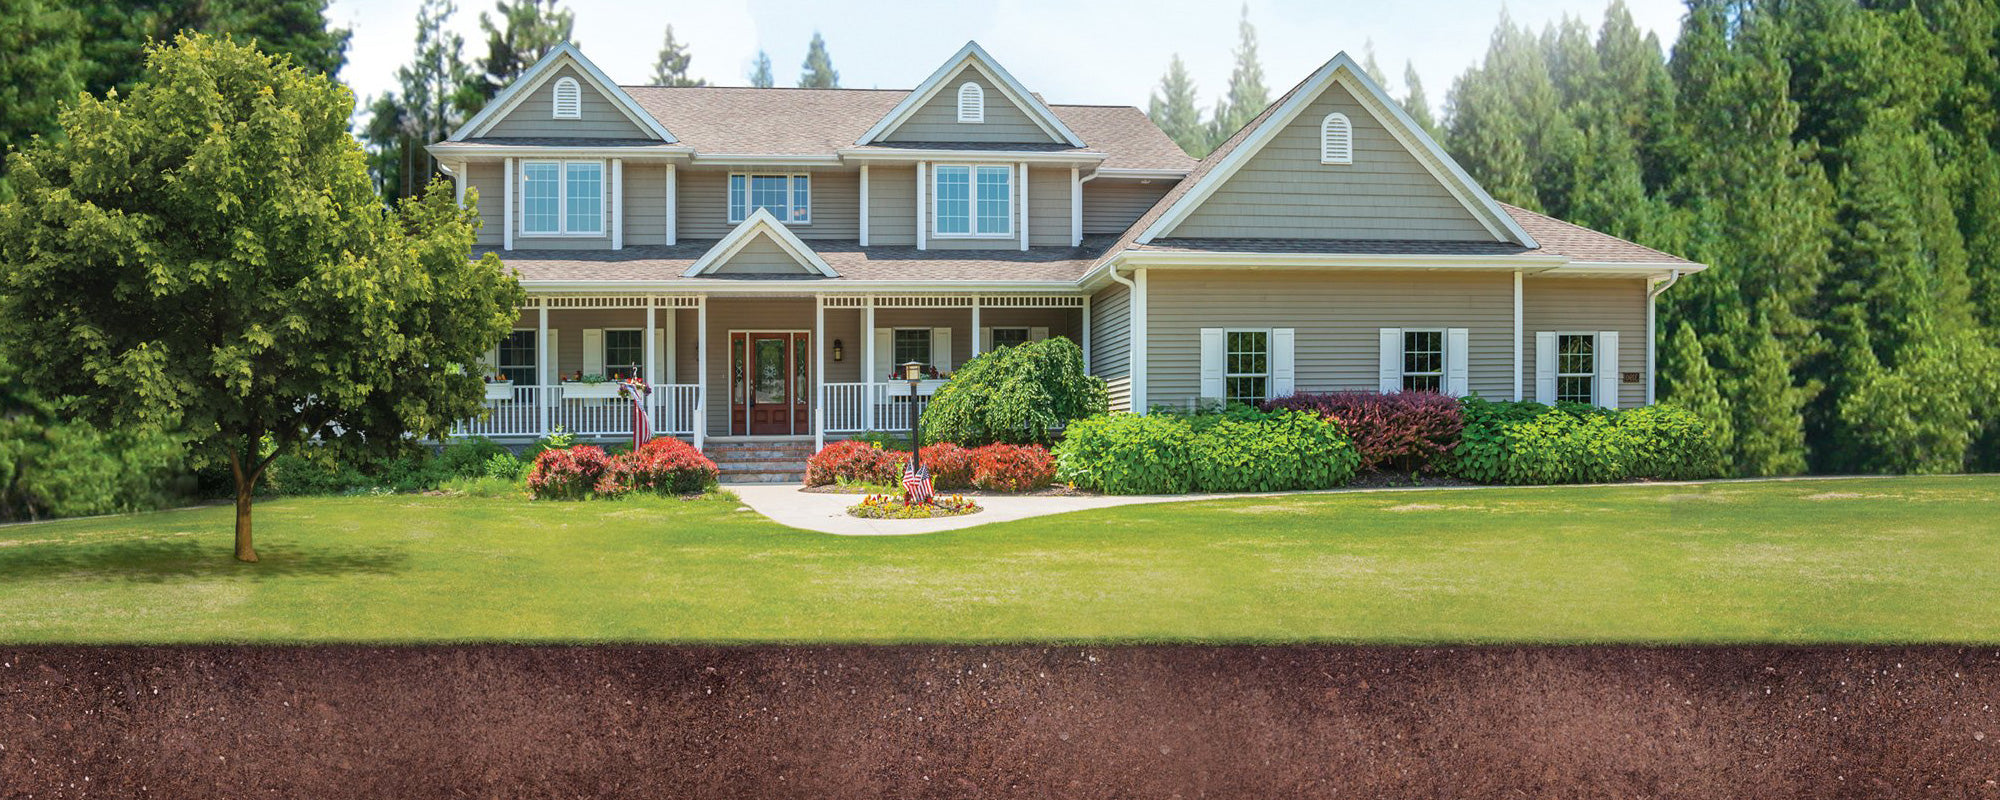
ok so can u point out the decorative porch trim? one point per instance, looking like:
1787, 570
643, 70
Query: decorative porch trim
764, 223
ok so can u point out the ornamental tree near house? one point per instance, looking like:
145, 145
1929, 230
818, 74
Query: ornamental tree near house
207, 254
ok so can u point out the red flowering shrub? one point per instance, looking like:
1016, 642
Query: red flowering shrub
1012, 468
1402, 432
950, 466
566, 474
854, 462
665, 465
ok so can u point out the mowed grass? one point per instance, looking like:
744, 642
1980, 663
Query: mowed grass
1851, 560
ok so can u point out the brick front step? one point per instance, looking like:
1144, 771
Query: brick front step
760, 462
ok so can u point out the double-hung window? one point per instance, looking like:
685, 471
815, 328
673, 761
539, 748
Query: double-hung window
562, 198
1009, 337
624, 352
517, 357
974, 200
1246, 376
910, 344
1576, 368
1423, 360
787, 197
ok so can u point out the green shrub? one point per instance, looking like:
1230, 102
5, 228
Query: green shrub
332, 469
885, 440
1275, 452
505, 466
466, 457
1530, 443
67, 469
1015, 395
1128, 454
484, 487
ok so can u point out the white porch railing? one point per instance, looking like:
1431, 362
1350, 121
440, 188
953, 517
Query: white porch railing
672, 409
845, 407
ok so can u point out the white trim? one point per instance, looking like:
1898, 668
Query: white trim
759, 222
1138, 332
977, 58
523, 87
749, 178
507, 212
922, 239
617, 204
673, 206
1344, 70
701, 422
972, 201
864, 206
817, 394
1138, 173
566, 99
1075, 207
1518, 363
763, 160
1023, 193
971, 103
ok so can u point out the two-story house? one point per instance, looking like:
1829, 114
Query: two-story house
766, 257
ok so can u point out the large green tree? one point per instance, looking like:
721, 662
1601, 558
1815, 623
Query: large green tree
818, 67
671, 68
206, 254
1247, 96
518, 34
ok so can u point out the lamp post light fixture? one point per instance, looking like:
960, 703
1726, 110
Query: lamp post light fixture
914, 372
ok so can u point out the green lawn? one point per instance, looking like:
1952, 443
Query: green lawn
1860, 560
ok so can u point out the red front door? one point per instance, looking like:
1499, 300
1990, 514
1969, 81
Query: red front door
769, 384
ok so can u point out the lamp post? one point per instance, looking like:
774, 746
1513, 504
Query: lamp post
914, 372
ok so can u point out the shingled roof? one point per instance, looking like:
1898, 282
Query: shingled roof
1059, 267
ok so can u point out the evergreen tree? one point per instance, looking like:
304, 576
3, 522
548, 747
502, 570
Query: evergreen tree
435, 88
1418, 104
1247, 95
38, 72
1696, 386
819, 72
1174, 110
1369, 65
671, 69
760, 75
115, 33
526, 31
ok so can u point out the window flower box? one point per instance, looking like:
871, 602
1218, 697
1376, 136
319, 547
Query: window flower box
579, 390
499, 390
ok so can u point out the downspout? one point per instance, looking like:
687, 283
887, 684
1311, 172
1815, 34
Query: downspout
1652, 335
1135, 353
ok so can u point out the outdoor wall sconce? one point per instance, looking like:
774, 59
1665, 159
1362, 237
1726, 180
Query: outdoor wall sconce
837, 350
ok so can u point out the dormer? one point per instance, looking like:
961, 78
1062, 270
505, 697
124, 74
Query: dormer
971, 99
563, 96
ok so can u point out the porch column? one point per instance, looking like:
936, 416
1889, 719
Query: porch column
864, 205
869, 377
819, 368
1085, 344
547, 370
976, 343
1075, 207
507, 206
651, 369
701, 371
673, 223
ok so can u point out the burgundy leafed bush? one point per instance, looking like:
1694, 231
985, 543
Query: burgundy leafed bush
950, 466
665, 465
1012, 468
1401, 432
854, 462
567, 474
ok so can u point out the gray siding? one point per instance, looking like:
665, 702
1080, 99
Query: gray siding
1284, 192
762, 256
645, 203
1587, 305
1048, 207
1111, 342
937, 120
1110, 205
892, 206
486, 178
601, 118
1337, 317
703, 204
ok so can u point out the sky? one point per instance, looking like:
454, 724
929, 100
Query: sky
1069, 51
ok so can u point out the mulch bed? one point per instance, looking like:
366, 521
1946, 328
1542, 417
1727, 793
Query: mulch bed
1057, 490
812, 722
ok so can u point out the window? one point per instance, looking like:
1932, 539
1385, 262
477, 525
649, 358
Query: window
1336, 140
562, 198
910, 344
1009, 337
787, 197
517, 357
568, 100
1576, 368
624, 354
1247, 368
971, 103
1423, 361
974, 200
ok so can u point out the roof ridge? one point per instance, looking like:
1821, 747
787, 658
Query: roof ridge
760, 88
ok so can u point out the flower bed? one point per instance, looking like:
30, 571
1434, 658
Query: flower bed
996, 467
883, 506
661, 466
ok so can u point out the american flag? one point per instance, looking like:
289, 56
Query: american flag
916, 486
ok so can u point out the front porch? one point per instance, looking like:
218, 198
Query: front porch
767, 365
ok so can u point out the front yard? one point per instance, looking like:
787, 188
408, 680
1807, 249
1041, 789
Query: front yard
1850, 560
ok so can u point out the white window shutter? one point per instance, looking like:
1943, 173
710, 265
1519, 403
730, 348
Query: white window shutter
552, 369
1545, 367
985, 340
669, 334
1037, 334
593, 351
941, 349
1283, 373
885, 352
1212, 357
1607, 369
1457, 362
1389, 361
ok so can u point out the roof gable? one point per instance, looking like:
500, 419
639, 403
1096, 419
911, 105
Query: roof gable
760, 245
1380, 122
937, 97
609, 111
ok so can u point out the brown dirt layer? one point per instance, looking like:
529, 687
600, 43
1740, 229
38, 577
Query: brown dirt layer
973, 722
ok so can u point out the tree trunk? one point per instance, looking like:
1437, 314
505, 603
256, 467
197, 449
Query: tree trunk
246, 480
